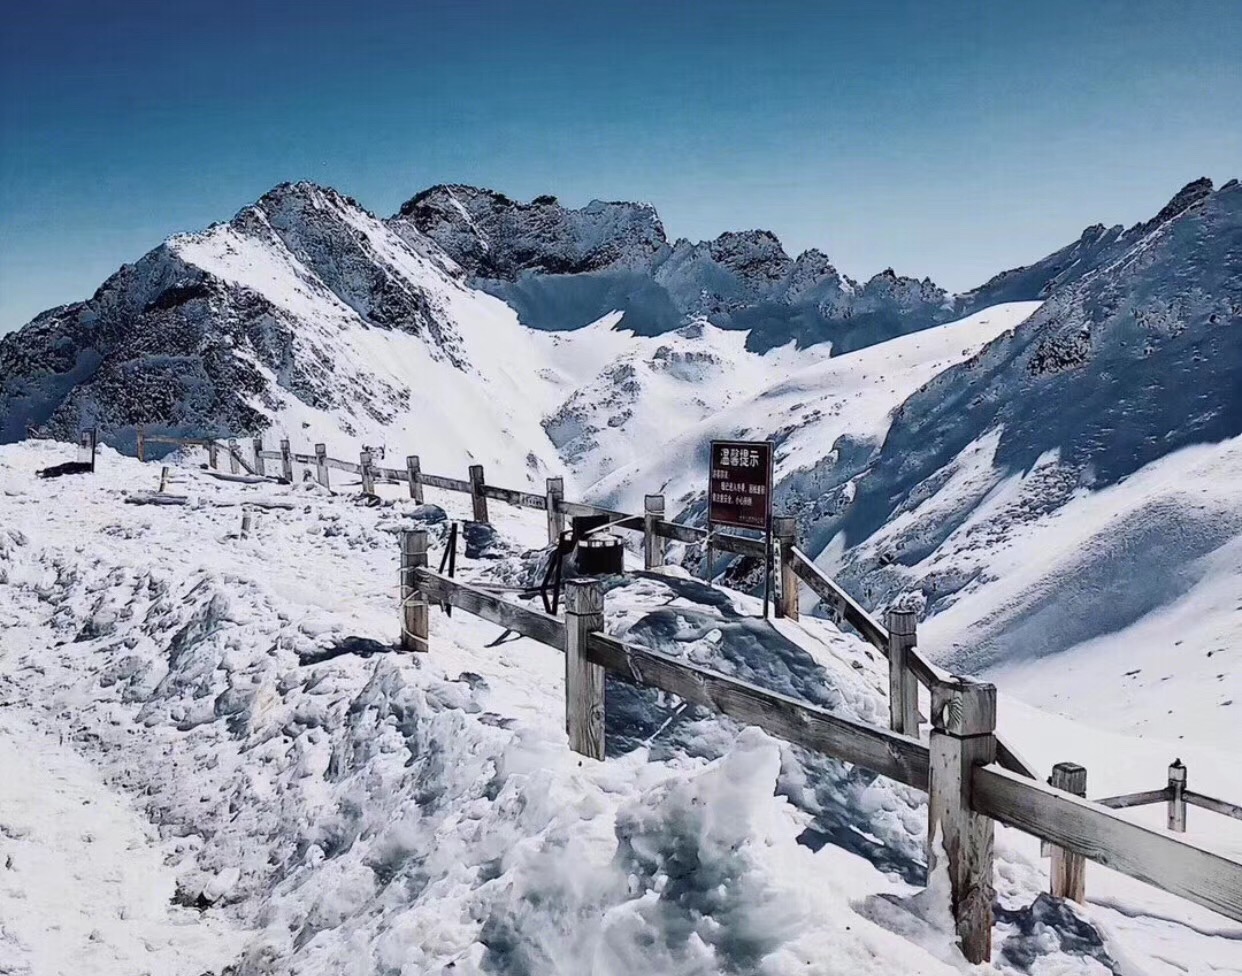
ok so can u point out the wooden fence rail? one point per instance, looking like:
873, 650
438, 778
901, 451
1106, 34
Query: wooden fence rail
967, 789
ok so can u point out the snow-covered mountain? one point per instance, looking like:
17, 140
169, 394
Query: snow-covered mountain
563, 268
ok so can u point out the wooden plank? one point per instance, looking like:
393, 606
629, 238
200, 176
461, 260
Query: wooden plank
1067, 875
344, 465
1134, 799
522, 499
740, 545
847, 608
478, 501
390, 476
271, 455
785, 532
413, 473
897, 756
903, 685
623, 520
447, 484
1154, 856
522, 620
584, 680
962, 737
414, 623
1223, 807
689, 534
653, 543
553, 500
304, 458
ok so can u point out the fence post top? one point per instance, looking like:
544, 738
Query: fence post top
784, 525
411, 459
284, 442
584, 596
653, 503
1177, 771
556, 484
902, 621
475, 469
962, 707
321, 448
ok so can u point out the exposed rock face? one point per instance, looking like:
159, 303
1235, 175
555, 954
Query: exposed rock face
208, 331
563, 268
492, 236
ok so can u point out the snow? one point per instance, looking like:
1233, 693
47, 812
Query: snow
237, 708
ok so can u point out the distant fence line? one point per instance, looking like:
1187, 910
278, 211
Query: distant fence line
972, 776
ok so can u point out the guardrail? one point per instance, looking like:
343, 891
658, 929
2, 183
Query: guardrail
967, 789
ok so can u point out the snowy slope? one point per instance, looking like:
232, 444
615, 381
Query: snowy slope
349, 809
814, 411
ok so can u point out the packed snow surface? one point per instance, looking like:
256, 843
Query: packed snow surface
278, 788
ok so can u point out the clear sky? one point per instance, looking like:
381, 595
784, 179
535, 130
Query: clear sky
950, 139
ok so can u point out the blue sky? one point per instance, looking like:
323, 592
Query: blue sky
948, 139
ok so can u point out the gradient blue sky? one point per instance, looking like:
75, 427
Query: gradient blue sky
948, 139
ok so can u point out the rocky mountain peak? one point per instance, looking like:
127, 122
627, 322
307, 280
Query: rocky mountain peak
494, 236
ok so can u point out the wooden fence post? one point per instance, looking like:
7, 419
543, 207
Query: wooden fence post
414, 470
368, 473
556, 518
963, 736
414, 630
584, 681
213, 461
785, 531
286, 461
1068, 871
1177, 797
321, 464
259, 467
234, 456
903, 686
477, 499
653, 544
142, 445
163, 479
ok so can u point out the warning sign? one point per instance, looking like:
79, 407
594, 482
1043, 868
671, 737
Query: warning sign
740, 484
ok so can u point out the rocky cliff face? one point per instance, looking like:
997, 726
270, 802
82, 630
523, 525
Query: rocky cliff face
563, 268
290, 309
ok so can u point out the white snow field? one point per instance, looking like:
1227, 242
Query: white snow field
248, 739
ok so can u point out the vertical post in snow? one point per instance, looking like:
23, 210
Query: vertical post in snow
963, 736
234, 456
477, 499
653, 543
286, 461
142, 444
163, 479
555, 488
245, 526
415, 472
368, 473
213, 449
259, 468
903, 686
785, 529
584, 681
321, 464
1177, 797
1068, 871
414, 629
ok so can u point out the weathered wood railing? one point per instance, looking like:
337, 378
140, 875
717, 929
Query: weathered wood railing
968, 790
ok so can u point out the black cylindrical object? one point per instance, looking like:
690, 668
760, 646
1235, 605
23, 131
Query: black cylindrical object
600, 554
582, 524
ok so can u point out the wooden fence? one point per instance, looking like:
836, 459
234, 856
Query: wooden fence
974, 778
969, 789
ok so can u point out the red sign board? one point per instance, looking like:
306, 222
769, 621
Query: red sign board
740, 484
